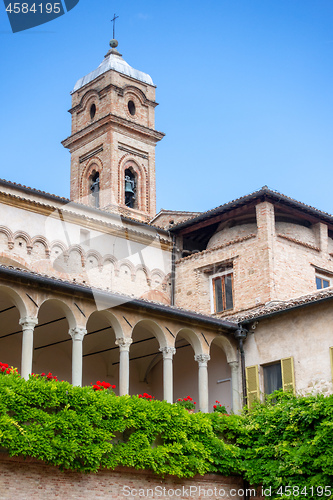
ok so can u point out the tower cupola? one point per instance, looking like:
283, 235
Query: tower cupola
113, 138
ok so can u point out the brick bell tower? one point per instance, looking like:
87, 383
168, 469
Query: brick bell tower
113, 139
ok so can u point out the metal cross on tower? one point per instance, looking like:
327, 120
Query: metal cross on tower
114, 22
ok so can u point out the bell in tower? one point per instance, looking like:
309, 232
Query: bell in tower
113, 134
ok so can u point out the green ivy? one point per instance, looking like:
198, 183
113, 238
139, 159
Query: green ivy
286, 441
82, 429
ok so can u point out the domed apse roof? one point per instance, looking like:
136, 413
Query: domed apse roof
113, 60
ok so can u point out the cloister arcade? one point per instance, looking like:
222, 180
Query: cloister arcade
137, 346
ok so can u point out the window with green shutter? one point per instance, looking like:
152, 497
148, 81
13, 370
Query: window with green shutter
288, 377
252, 384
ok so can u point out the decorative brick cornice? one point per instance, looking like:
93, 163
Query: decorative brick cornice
111, 119
298, 242
214, 249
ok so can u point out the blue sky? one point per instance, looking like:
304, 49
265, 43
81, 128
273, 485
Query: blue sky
244, 86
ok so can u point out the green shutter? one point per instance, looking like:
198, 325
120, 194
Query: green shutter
252, 384
288, 377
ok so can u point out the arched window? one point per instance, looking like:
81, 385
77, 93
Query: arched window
130, 188
94, 188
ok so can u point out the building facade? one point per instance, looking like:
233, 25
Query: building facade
224, 305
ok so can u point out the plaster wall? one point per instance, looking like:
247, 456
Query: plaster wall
306, 334
98, 255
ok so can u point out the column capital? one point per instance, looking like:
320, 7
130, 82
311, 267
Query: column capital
168, 352
234, 365
28, 322
77, 333
123, 343
202, 359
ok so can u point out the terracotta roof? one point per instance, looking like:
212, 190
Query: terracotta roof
276, 306
263, 192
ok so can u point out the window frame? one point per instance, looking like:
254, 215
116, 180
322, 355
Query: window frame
322, 277
212, 278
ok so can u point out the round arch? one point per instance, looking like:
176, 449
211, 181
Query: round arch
193, 339
226, 346
70, 316
17, 299
129, 163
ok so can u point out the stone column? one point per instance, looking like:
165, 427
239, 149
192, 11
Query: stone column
202, 360
28, 324
77, 335
168, 353
236, 404
124, 347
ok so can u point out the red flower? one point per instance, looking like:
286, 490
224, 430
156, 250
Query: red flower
113, 387
214, 406
43, 374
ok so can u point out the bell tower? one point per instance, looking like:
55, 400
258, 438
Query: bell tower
113, 139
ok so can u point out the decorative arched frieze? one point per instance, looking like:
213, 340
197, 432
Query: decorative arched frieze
43, 241
96, 255
24, 236
157, 275
8, 233
58, 244
127, 263
145, 270
78, 249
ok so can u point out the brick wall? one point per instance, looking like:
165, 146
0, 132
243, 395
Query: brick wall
33, 480
270, 261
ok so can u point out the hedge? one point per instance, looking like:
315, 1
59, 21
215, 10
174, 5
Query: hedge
284, 442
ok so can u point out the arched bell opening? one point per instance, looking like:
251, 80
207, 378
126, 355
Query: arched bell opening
146, 359
52, 341
100, 354
94, 188
131, 188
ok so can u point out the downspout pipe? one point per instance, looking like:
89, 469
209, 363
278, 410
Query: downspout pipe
240, 335
173, 270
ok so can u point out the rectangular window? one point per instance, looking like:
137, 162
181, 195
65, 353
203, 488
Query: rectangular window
272, 377
322, 282
223, 292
